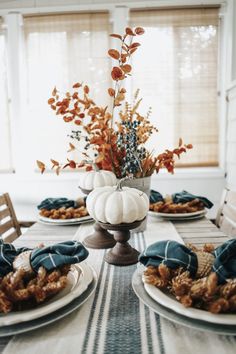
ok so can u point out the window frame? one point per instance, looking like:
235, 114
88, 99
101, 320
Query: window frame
119, 17
10, 168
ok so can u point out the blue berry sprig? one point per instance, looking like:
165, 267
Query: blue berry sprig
129, 142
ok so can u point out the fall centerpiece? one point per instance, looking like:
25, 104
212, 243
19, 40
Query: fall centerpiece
113, 136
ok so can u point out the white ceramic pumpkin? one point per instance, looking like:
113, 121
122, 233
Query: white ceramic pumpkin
116, 205
99, 178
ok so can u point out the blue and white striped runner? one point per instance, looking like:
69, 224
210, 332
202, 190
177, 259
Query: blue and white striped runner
113, 320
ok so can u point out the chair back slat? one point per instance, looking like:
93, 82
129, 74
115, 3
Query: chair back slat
2, 200
4, 213
226, 216
4, 227
10, 238
229, 211
9, 226
228, 227
222, 202
231, 197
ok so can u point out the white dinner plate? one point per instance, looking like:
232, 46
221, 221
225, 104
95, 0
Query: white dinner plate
63, 222
79, 278
183, 216
167, 300
40, 322
173, 316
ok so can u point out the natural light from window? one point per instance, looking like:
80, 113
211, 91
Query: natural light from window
60, 51
176, 71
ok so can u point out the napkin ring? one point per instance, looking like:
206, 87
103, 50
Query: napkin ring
22, 261
205, 262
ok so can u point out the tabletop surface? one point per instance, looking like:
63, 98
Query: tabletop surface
113, 320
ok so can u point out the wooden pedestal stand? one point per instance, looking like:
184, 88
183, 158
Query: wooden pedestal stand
122, 254
100, 238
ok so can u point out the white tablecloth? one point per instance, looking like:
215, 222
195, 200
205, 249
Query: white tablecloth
113, 320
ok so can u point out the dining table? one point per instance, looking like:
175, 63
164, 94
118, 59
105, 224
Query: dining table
113, 319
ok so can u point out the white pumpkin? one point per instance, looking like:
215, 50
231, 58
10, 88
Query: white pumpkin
99, 178
116, 205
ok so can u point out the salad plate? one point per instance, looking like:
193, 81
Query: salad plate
63, 222
168, 301
79, 278
52, 317
199, 324
179, 216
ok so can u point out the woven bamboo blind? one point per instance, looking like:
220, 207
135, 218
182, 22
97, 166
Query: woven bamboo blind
176, 70
60, 51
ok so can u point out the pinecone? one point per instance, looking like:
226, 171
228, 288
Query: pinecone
229, 289
181, 284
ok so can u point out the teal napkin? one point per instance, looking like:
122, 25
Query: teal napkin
68, 252
185, 196
225, 262
180, 197
7, 255
170, 253
51, 257
56, 203
155, 197
174, 255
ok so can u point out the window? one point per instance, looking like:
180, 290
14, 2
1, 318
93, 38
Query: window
5, 150
61, 50
176, 71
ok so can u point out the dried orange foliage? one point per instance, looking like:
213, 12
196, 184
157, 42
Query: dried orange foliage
95, 123
41, 166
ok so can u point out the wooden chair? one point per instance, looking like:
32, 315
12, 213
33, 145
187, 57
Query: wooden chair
226, 216
9, 226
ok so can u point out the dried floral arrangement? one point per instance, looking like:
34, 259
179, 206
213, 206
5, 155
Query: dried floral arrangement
115, 146
203, 293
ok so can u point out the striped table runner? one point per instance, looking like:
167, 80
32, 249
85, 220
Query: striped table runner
113, 320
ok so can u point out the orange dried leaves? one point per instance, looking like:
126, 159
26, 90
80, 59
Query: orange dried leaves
126, 50
111, 92
73, 106
117, 73
129, 31
41, 166
97, 123
139, 31
126, 68
167, 158
114, 53
71, 164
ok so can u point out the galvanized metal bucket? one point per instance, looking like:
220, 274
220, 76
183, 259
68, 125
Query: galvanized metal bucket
143, 184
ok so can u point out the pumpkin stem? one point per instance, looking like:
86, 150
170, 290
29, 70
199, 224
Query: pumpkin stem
119, 184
